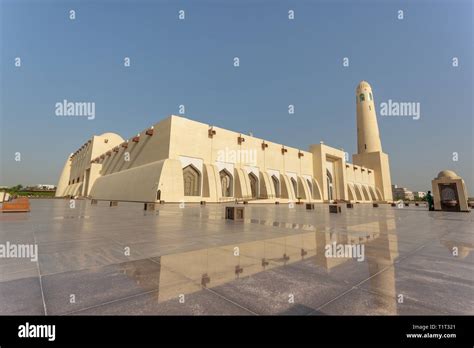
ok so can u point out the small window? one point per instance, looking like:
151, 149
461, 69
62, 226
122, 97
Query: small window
370, 108
362, 97
370, 95
365, 146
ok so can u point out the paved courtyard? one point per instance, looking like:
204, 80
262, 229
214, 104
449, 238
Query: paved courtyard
101, 260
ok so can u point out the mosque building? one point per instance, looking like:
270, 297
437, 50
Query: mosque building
181, 160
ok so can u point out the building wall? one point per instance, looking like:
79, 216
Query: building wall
149, 167
378, 162
78, 166
191, 139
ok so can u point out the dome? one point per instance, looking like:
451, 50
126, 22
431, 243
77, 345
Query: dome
447, 174
363, 85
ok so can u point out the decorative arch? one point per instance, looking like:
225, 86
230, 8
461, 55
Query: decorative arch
317, 190
379, 194
276, 185
192, 181
303, 192
350, 192
310, 186
253, 185
265, 190
227, 183
295, 186
372, 193
366, 194
358, 193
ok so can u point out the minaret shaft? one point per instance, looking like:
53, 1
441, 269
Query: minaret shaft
369, 147
368, 137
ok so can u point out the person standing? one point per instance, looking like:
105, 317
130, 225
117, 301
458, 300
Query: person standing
429, 199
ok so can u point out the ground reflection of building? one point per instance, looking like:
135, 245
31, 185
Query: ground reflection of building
189, 272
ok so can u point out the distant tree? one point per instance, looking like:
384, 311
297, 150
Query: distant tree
16, 188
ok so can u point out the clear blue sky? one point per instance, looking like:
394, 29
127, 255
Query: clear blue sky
283, 62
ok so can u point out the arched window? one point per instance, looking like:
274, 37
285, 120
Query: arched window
362, 97
192, 181
253, 185
158, 195
276, 185
370, 95
226, 183
295, 186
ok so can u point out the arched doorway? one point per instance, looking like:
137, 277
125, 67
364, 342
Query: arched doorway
226, 183
295, 186
276, 185
192, 181
253, 185
329, 182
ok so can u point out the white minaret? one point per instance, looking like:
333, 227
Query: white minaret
369, 147
368, 138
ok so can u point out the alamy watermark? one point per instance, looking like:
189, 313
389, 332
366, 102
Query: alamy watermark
237, 156
68, 108
392, 108
37, 331
11, 250
334, 250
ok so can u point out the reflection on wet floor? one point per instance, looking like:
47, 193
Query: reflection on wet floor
212, 267
193, 261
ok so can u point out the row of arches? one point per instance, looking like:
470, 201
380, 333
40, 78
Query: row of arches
358, 192
298, 189
192, 179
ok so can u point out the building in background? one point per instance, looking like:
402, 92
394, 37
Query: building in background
419, 194
181, 160
402, 193
44, 187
